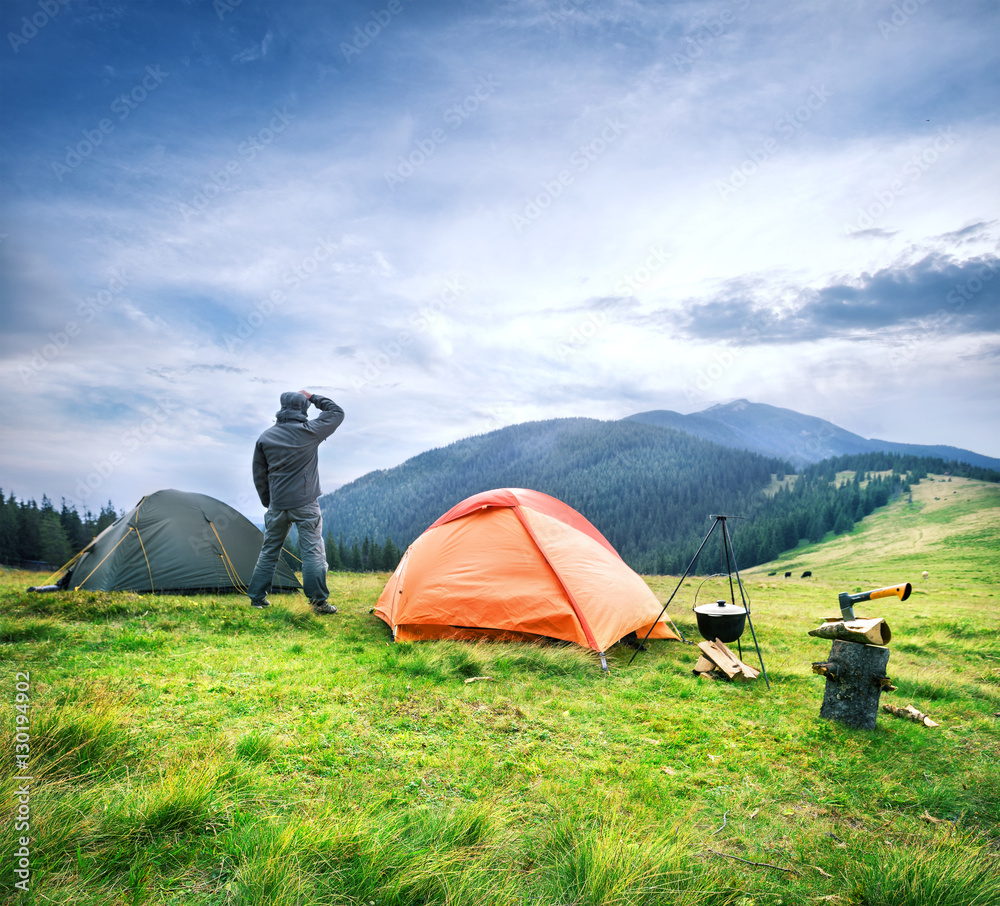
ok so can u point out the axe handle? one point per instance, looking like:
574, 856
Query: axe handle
900, 591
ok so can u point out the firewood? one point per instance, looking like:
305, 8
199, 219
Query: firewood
727, 662
746, 671
867, 632
704, 665
911, 713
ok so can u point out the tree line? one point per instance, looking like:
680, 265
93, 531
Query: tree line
39, 534
33, 535
650, 491
368, 556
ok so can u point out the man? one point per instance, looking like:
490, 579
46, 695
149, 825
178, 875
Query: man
286, 475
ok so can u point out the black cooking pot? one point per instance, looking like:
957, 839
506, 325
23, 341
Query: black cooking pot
721, 620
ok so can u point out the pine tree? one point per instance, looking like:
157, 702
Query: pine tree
332, 554
8, 530
54, 546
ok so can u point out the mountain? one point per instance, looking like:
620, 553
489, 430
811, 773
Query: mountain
786, 434
651, 488
648, 489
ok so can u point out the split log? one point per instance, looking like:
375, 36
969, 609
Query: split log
911, 713
728, 663
852, 691
704, 665
866, 632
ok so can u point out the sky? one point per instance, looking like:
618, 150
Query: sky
450, 217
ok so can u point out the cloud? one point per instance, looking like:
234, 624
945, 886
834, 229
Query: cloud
873, 233
244, 206
956, 297
969, 234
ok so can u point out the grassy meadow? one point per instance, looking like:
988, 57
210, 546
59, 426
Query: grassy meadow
192, 750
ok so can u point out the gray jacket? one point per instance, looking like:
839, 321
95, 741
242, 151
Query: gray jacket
286, 458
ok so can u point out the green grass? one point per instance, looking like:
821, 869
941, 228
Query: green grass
191, 750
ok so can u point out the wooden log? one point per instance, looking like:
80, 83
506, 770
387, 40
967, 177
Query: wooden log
704, 665
851, 695
727, 662
867, 632
746, 671
911, 713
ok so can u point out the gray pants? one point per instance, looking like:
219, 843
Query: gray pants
277, 524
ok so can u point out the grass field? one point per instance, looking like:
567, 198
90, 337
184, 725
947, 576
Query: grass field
191, 750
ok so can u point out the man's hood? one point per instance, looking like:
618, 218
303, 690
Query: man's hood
293, 407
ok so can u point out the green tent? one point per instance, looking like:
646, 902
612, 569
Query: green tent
176, 542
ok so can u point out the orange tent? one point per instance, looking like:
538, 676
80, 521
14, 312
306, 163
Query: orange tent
517, 564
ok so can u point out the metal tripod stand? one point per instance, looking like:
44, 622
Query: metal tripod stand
729, 555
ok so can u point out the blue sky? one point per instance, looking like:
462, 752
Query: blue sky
455, 216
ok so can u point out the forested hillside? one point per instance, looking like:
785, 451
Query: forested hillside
650, 490
29, 532
643, 486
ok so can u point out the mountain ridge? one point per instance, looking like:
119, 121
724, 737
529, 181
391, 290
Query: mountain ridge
649, 483
787, 434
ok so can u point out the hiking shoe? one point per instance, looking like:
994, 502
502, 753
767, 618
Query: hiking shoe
260, 605
322, 607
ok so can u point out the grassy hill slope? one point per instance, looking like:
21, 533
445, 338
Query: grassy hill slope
945, 526
194, 751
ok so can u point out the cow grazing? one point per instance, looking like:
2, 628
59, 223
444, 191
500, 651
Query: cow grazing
788, 575
807, 574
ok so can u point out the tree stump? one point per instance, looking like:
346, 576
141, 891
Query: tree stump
855, 678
